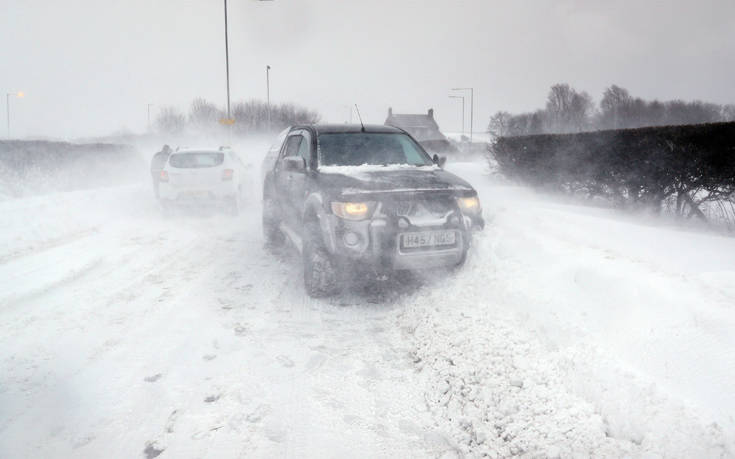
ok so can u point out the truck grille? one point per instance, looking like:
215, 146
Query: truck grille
423, 206
404, 208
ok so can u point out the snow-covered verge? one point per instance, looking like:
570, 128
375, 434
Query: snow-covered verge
35, 167
571, 331
577, 331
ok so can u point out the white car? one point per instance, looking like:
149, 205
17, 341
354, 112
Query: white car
202, 177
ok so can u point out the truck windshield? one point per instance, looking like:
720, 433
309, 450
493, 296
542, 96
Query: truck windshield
193, 160
358, 148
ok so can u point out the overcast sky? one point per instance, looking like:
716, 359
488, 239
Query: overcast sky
90, 67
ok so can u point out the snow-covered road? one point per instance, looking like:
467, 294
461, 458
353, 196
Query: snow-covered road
126, 332
572, 330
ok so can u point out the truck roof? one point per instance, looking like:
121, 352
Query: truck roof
336, 128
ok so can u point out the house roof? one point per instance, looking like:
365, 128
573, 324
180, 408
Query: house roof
412, 120
420, 126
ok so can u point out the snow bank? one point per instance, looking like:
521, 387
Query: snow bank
574, 331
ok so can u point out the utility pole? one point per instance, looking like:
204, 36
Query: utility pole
227, 64
268, 93
460, 97
472, 107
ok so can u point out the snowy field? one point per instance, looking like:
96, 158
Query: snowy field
572, 331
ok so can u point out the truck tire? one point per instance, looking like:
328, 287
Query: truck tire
271, 231
465, 252
321, 273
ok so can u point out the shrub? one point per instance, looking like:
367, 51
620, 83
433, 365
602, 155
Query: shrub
682, 167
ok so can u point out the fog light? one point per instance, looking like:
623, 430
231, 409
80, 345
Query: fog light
351, 239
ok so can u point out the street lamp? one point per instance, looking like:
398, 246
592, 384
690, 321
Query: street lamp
229, 120
472, 106
460, 97
19, 95
227, 64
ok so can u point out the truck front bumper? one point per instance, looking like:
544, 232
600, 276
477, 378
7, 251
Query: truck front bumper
376, 243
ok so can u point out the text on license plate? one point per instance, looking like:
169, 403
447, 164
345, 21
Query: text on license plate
428, 239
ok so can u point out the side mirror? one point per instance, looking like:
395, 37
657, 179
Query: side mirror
294, 163
439, 161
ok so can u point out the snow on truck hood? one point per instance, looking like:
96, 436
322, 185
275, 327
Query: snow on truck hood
366, 168
395, 178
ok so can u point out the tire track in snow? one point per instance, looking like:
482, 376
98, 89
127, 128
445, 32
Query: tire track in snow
111, 289
14, 300
47, 245
331, 374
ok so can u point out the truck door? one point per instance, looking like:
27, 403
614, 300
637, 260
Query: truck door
284, 175
299, 178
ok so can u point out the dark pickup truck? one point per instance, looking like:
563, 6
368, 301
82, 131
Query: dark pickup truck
355, 197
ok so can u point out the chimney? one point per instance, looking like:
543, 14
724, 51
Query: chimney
390, 112
431, 113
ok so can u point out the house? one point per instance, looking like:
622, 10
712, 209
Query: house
424, 129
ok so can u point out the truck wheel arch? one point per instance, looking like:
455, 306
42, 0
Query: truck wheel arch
315, 213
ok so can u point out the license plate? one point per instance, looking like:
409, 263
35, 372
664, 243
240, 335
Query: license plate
428, 239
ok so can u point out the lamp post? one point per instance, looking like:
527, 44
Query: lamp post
460, 97
472, 106
149, 116
229, 120
227, 64
268, 93
19, 95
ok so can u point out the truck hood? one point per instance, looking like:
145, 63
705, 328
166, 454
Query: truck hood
347, 180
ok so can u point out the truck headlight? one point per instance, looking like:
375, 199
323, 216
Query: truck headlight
353, 210
469, 205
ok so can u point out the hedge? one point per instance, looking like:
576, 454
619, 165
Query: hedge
35, 166
690, 164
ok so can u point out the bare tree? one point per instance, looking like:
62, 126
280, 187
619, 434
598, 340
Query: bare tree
728, 113
252, 116
527, 124
204, 115
581, 111
697, 112
615, 105
498, 125
567, 109
170, 120
570, 111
